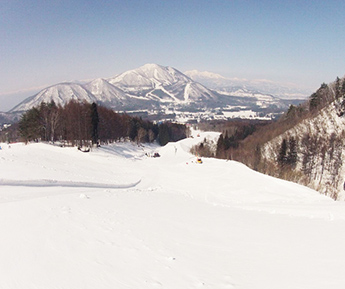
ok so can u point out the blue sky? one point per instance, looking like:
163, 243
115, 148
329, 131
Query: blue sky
45, 42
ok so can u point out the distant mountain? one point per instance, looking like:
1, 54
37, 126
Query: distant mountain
244, 87
60, 93
154, 89
142, 88
8, 118
164, 84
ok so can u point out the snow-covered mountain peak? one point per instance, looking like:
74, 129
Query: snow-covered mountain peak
149, 67
148, 76
162, 83
60, 93
203, 74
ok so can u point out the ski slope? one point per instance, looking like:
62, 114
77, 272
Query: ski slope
115, 218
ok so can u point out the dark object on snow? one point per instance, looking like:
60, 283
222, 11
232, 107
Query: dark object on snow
156, 155
84, 150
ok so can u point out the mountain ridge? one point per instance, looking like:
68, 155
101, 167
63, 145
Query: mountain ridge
256, 86
149, 83
162, 90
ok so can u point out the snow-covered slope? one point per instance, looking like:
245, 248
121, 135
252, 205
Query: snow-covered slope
106, 92
148, 76
60, 93
115, 218
158, 82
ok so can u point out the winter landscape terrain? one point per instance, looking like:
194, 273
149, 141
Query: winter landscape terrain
164, 93
117, 218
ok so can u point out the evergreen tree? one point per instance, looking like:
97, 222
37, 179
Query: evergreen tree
282, 156
220, 147
257, 157
343, 88
29, 125
94, 123
163, 134
337, 88
292, 153
133, 129
314, 101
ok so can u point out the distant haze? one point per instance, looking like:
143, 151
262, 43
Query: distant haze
9, 100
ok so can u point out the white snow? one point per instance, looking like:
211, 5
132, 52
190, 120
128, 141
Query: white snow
115, 218
203, 74
186, 92
246, 114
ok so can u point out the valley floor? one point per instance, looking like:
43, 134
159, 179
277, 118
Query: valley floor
116, 218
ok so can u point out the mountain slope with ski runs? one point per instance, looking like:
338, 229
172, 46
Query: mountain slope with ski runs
117, 218
154, 88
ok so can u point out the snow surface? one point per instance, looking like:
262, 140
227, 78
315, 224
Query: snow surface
116, 218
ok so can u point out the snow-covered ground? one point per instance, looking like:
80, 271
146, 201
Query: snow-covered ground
115, 218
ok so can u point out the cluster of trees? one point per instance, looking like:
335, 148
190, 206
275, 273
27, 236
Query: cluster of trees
288, 153
168, 132
311, 160
84, 124
207, 148
326, 94
231, 138
321, 153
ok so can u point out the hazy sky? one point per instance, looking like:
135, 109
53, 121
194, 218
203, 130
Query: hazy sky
44, 42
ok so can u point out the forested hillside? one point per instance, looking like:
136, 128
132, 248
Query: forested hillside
305, 146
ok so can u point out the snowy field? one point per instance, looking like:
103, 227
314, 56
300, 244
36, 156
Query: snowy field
115, 218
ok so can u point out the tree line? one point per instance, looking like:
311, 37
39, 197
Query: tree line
84, 124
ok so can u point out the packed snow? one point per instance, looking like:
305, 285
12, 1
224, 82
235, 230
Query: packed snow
117, 218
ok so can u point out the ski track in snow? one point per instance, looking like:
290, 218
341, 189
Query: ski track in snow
56, 183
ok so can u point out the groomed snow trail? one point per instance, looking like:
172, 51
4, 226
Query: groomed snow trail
184, 225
